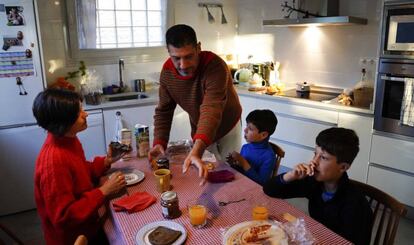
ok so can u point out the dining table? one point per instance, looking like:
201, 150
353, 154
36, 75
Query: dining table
122, 227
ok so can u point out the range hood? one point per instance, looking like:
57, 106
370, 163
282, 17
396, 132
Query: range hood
314, 13
317, 21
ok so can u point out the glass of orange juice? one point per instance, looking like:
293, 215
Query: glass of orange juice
260, 212
197, 213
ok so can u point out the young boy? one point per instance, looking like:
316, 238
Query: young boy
256, 159
333, 200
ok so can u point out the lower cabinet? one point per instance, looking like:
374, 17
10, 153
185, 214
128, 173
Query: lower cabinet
130, 116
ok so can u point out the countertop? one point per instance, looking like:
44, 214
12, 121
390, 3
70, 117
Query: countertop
328, 105
153, 100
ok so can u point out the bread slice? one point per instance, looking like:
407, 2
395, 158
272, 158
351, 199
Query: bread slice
163, 236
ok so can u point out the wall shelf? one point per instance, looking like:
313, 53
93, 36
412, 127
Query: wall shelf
319, 21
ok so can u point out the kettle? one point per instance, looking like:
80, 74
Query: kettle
243, 76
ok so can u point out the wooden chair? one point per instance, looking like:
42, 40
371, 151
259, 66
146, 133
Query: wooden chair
280, 153
81, 240
11, 235
387, 213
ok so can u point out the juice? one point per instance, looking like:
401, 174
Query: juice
198, 215
260, 213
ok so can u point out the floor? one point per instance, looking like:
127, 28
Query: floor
27, 227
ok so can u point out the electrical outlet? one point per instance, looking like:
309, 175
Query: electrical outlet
367, 61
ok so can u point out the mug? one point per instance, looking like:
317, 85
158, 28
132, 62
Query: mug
162, 178
242, 76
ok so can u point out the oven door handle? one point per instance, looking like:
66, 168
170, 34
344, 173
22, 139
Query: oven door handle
398, 79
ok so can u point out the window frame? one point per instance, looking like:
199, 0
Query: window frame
108, 56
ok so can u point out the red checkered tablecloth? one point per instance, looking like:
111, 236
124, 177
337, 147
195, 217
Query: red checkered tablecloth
122, 227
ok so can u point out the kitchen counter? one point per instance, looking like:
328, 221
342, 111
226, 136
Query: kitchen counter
328, 105
151, 100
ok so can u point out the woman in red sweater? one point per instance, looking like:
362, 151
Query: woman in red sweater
66, 196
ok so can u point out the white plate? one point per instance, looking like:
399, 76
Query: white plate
237, 234
142, 236
132, 176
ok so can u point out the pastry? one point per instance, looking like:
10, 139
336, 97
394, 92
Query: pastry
163, 236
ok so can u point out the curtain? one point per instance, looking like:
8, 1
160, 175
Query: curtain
86, 23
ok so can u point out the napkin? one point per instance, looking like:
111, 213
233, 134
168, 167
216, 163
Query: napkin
135, 202
220, 176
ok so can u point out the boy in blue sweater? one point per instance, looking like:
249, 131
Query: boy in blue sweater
256, 159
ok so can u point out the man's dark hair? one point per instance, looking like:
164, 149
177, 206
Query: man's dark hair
180, 36
56, 110
342, 143
264, 120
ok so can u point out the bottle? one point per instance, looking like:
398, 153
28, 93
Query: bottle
118, 127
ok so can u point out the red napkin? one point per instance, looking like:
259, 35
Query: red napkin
220, 176
135, 202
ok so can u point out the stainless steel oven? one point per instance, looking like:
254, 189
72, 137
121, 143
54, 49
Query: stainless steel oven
398, 29
389, 95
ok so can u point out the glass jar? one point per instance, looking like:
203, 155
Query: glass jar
169, 205
163, 163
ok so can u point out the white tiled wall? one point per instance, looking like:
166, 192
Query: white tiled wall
329, 56
213, 36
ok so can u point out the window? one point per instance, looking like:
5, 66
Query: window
108, 29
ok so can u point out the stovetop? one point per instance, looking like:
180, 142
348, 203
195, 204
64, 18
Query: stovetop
314, 95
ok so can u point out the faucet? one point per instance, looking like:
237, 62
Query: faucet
121, 68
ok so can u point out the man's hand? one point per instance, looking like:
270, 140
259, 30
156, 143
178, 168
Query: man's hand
155, 152
299, 172
194, 157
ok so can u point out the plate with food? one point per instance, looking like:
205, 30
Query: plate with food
161, 233
132, 176
255, 232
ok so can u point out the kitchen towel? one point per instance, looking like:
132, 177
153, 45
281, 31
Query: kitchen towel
220, 176
135, 202
407, 105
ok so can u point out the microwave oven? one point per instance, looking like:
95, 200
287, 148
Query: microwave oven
398, 29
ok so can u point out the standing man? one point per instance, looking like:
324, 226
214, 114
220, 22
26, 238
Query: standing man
201, 83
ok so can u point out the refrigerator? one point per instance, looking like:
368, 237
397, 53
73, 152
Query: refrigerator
21, 79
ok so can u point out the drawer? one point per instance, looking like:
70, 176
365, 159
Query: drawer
397, 184
393, 153
294, 154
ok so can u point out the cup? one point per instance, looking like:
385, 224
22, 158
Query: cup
197, 213
162, 178
260, 212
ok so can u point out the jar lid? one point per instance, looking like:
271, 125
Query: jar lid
168, 195
162, 160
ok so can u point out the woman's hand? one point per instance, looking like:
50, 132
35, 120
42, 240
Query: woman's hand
114, 184
111, 159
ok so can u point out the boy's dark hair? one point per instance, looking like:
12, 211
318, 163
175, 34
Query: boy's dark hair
56, 110
343, 143
264, 120
181, 35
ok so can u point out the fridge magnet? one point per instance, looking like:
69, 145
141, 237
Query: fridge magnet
15, 64
11, 41
22, 90
14, 15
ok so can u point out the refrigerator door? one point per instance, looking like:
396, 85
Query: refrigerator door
19, 148
15, 104
93, 138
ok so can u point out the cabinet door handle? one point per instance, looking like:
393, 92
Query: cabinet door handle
118, 113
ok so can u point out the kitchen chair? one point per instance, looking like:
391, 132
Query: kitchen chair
81, 240
10, 234
280, 153
387, 213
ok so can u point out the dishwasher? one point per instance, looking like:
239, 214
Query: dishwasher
93, 138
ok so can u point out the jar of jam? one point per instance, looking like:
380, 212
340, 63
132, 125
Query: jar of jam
169, 205
163, 163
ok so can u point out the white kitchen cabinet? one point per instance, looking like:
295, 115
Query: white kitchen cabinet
130, 117
396, 183
362, 125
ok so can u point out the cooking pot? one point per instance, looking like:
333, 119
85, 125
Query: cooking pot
243, 76
303, 87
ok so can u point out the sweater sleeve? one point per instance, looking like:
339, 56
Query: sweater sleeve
214, 101
164, 113
276, 188
57, 187
265, 170
97, 166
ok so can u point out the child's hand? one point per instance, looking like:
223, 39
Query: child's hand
232, 158
299, 172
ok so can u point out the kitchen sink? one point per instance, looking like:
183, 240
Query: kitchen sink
315, 95
126, 96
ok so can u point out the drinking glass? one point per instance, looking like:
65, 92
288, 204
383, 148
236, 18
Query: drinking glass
197, 213
260, 212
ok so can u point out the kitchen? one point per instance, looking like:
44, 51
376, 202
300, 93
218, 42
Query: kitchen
330, 56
